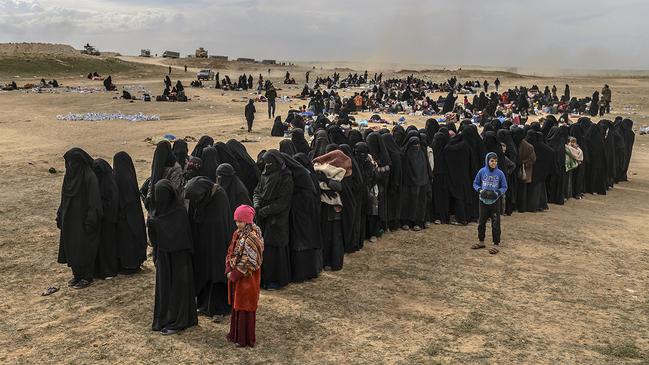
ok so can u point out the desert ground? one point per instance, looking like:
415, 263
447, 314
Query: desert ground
570, 285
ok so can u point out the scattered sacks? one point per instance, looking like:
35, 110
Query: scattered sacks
96, 117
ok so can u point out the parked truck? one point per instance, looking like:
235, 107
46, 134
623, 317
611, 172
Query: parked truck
145, 53
201, 52
171, 54
90, 50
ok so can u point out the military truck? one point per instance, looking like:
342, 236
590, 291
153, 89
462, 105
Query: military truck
90, 50
201, 52
171, 54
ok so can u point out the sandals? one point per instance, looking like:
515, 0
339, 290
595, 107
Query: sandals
49, 291
477, 246
82, 284
494, 250
168, 331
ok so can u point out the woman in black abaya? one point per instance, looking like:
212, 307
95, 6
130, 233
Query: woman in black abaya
304, 220
212, 226
171, 237
394, 182
180, 151
457, 155
131, 231
272, 202
544, 166
204, 141
557, 139
79, 217
286, 146
320, 143
164, 166
234, 188
441, 181
380, 154
504, 137
352, 199
596, 172
248, 172
300, 143
106, 262
210, 159
415, 178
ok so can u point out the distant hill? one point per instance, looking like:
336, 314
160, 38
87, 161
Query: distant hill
44, 60
22, 49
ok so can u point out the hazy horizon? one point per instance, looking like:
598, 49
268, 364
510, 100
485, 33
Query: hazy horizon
553, 35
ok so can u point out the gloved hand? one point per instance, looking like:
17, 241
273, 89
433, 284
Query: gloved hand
329, 194
321, 176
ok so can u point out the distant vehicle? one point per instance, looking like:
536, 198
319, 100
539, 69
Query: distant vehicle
171, 54
205, 75
90, 50
145, 53
201, 52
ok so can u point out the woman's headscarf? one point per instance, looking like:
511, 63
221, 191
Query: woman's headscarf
204, 141
180, 151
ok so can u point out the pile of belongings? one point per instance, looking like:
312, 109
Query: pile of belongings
644, 129
96, 117
95, 76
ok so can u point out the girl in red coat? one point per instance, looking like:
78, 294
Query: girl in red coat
242, 267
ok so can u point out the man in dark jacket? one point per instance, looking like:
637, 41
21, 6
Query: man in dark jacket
271, 95
250, 113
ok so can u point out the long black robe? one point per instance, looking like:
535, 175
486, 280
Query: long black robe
211, 161
212, 227
415, 178
171, 237
381, 156
472, 138
204, 141
394, 182
79, 215
301, 145
272, 202
234, 188
286, 146
278, 128
319, 144
180, 151
248, 171
441, 180
505, 136
596, 172
557, 139
457, 155
131, 230
608, 131
544, 166
352, 200
304, 221
626, 130
107, 262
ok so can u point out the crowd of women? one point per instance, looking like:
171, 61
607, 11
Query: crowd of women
314, 202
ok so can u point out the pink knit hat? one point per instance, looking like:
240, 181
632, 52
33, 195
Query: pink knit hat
244, 213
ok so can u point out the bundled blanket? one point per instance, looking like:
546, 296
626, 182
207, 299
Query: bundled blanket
329, 196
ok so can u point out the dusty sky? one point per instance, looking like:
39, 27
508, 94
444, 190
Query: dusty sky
550, 34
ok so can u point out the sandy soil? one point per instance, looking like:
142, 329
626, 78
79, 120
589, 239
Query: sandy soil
569, 287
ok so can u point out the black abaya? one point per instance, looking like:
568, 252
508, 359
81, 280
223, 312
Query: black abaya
272, 202
131, 230
107, 262
79, 215
212, 227
170, 235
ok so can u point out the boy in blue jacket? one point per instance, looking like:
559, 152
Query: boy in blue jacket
491, 184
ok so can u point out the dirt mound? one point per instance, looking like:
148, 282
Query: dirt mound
21, 49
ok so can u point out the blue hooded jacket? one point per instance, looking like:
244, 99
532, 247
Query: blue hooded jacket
487, 179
